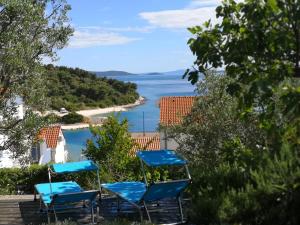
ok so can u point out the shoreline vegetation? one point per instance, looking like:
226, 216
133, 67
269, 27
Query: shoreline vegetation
75, 89
98, 111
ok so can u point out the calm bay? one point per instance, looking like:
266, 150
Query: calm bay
150, 86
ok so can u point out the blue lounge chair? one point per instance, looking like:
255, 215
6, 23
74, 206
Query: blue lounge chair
61, 196
139, 194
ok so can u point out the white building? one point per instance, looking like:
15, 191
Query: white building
6, 157
172, 111
50, 146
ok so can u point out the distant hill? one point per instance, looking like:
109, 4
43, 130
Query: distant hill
112, 73
76, 89
179, 72
124, 73
153, 73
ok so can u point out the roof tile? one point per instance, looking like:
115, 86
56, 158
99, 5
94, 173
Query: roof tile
174, 108
145, 143
50, 135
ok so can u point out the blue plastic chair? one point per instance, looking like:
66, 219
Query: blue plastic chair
139, 194
61, 196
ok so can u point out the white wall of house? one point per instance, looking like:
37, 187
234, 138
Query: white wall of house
6, 158
20, 110
60, 151
45, 153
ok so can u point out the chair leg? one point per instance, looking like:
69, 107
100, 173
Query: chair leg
148, 214
141, 214
98, 211
48, 217
55, 216
118, 204
41, 210
180, 208
92, 213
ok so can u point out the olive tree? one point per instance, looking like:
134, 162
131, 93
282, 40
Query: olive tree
257, 42
30, 32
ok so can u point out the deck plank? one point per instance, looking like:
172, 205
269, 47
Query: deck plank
22, 211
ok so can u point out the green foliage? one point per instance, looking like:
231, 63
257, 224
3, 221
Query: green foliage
11, 177
25, 179
29, 32
53, 118
273, 196
237, 179
258, 44
110, 148
76, 89
255, 162
214, 120
72, 117
221, 147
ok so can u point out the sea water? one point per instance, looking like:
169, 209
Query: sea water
150, 86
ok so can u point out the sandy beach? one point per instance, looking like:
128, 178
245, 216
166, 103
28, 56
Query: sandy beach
75, 126
92, 112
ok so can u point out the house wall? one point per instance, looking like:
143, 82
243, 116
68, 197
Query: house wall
167, 143
60, 153
20, 109
45, 153
6, 159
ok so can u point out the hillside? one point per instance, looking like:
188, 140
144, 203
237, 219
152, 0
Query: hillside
76, 89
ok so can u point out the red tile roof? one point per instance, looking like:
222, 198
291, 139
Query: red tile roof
145, 143
50, 135
173, 109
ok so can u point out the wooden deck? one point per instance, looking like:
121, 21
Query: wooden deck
23, 210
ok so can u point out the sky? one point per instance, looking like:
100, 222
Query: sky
136, 36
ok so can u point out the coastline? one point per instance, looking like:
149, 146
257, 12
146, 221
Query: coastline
92, 112
76, 126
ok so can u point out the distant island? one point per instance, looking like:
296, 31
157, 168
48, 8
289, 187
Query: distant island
124, 73
77, 89
153, 73
111, 73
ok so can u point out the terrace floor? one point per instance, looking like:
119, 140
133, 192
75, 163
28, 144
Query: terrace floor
21, 210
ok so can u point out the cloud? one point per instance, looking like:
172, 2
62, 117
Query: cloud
85, 38
145, 29
204, 3
181, 18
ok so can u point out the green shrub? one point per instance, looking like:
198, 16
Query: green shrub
110, 148
25, 178
72, 117
53, 118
